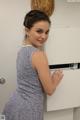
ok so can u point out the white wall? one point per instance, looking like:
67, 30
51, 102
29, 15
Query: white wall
11, 35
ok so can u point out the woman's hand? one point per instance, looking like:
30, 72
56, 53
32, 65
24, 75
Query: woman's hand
57, 77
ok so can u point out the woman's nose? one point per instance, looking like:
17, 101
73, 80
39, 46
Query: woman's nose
43, 35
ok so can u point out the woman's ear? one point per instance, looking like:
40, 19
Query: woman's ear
26, 31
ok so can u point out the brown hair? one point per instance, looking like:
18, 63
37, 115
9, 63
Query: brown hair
35, 16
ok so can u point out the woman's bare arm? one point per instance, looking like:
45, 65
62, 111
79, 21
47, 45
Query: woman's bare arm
49, 81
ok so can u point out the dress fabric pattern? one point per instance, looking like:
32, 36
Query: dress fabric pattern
28, 100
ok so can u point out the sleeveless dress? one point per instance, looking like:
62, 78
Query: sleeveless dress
28, 100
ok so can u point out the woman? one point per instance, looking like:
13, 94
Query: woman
33, 75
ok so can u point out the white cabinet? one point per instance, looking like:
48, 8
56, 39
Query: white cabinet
67, 94
63, 46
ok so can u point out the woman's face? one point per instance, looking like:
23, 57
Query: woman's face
38, 34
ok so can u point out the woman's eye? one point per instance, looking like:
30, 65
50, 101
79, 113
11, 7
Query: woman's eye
47, 32
39, 31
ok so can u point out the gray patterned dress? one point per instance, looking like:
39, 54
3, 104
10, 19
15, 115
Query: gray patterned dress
27, 102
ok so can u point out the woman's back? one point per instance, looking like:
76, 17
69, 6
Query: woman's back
27, 102
28, 82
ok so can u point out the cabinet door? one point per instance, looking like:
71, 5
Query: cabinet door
11, 35
63, 47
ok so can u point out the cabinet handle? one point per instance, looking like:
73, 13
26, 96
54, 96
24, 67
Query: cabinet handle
71, 66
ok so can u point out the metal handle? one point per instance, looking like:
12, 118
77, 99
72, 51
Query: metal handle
71, 66
2, 80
